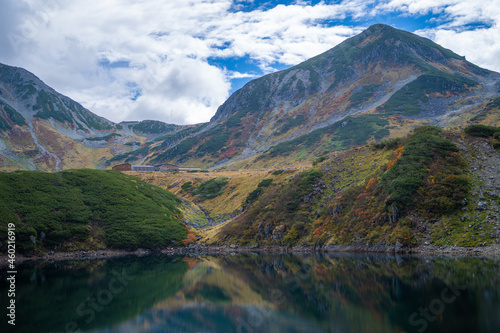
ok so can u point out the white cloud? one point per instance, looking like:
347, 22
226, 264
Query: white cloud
186, 93
480, 45
81, 47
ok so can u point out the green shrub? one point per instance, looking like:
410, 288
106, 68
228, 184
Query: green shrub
292, 123
390, 144
216, 141
482, 130
363, 95
424, 151
265, 182
211, 188
308, 179
104, 138
15, 116
253, 195
407, 100
187, 186
292, 206
319, 160
153, 127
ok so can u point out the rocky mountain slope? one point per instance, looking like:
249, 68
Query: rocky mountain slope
432, 187
44, 130
376, 85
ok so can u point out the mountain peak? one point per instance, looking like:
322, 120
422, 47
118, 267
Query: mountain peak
379, 27
382, 72
369, 87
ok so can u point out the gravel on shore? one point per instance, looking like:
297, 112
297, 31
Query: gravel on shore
229, 249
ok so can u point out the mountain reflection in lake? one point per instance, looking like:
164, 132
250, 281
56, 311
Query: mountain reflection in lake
259, 293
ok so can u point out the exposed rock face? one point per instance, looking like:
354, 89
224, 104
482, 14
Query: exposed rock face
383, 72
370, 87
42, 129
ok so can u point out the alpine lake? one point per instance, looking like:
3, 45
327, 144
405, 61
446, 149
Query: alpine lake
250, 292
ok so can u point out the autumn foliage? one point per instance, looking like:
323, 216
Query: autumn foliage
191, 236
424, 177
397, 154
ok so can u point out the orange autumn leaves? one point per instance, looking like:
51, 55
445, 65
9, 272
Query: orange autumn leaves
397, 154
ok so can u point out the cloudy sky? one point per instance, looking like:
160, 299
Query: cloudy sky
178, 60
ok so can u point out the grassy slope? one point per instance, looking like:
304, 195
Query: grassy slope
345, 203
240, 185
351, 200
87, 209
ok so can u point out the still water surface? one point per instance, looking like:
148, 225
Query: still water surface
258, 293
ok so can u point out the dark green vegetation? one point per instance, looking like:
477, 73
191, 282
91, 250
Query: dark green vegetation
293, 122
258, 191
182, 146
271, 209
178, 151
265, 182
211, 188
363, 95
347, 133
303, 188
319, 160
177, 136
187, 186
425, 178
424, 151
60, 108
153, 127
14, 116
495, 103
130, 156
46, 104
490, 132
104, 138
86, 209
483, 131
4, 125
216, 140
407, 100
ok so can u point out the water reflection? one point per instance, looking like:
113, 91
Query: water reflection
259, 293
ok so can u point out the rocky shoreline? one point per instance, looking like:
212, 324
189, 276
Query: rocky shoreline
233, 249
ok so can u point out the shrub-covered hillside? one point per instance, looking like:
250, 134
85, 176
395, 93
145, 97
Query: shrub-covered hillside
412, 190
87, 209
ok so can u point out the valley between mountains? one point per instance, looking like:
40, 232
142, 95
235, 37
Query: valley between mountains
387, 139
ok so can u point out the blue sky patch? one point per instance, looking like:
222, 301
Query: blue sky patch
116, 64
